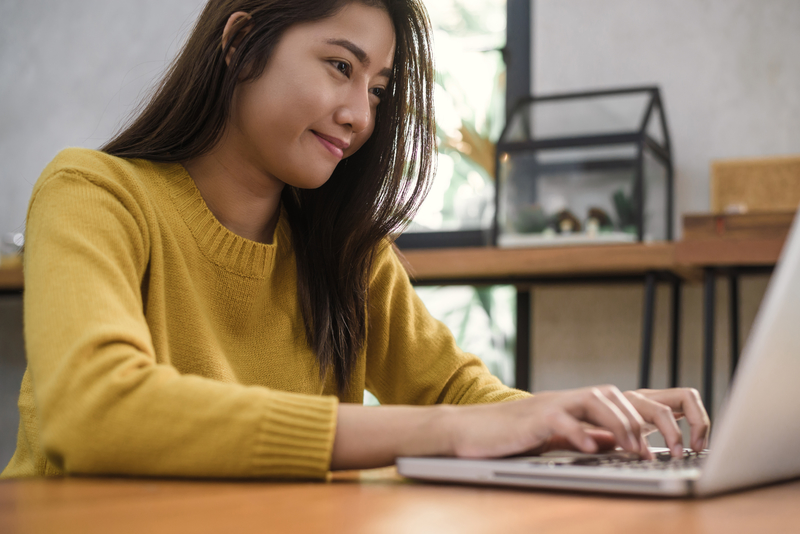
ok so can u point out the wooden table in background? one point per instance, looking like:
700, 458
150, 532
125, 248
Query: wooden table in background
372, 502
524, 267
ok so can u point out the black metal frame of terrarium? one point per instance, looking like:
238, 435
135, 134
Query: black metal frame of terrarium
642, 150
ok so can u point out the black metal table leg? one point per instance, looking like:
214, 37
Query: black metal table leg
709, 300
675, 333
733, 296
523, 348
647, 330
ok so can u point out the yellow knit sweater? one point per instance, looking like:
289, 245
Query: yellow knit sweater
160, 343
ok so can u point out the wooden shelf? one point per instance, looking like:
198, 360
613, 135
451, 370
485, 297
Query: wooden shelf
729, 252
519, 263
684, 258
742, 240
11, 279
755, 226
583, 261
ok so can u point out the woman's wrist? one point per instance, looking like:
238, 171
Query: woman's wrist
432, 433
369, 437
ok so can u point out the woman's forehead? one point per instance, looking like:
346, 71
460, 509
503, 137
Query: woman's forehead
364, 31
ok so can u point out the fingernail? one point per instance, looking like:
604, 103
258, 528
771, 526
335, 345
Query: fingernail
677, 451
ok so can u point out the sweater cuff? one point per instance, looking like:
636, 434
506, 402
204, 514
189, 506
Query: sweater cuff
295, 436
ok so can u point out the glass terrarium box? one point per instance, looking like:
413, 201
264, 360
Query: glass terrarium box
585, 168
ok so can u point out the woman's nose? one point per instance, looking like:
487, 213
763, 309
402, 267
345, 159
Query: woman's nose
356, 110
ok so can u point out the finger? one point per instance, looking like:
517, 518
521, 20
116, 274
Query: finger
640, 426
565, 425
629, 410
660, 415
688, 402
605, 440
593, 406
648, 429
646, 454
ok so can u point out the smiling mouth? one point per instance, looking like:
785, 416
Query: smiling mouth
335, 146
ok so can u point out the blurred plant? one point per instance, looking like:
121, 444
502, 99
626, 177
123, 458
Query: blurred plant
531, 219
627, 207
470, 87
482, 321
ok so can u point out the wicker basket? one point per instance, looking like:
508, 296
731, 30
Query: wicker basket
755, 185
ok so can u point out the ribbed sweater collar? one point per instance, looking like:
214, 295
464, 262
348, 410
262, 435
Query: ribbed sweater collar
221, 246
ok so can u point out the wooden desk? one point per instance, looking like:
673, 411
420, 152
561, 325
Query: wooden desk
372, 502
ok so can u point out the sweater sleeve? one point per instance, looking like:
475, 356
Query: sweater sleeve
104, 404
412, 357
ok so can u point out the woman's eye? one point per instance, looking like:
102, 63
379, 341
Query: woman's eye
342, 67
380, 92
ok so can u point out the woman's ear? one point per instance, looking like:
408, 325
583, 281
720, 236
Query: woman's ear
238, 25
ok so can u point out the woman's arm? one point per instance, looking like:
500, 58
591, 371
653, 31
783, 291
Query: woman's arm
586, 419
106, 402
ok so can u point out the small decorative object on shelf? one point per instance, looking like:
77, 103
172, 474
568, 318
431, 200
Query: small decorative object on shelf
567, 222
585, 168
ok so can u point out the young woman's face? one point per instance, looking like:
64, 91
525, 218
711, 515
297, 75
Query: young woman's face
315, 102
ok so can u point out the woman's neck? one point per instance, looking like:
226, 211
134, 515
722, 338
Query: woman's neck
243, 200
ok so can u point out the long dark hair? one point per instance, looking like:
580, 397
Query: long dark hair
337, 228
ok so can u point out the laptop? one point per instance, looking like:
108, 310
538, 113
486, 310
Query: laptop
755, 440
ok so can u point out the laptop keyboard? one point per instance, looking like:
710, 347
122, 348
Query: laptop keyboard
662, 460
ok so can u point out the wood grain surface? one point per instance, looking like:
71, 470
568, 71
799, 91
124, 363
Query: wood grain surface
749, 226
728, 252
11, 279
372, 502
485, 262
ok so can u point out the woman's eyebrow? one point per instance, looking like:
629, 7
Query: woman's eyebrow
357, 51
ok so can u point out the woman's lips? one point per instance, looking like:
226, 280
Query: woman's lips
335, 146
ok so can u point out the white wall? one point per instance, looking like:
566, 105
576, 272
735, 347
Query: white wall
70, 72
728, 69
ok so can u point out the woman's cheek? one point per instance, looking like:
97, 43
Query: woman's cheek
362, 138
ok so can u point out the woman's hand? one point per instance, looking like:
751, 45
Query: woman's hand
588, 420
661, 408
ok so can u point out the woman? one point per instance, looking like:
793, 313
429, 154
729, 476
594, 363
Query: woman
210, 295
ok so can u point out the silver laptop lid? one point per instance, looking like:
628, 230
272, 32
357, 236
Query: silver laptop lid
756, 438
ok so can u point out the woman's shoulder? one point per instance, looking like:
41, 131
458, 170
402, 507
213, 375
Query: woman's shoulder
389, 264
79, 166
93, 165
